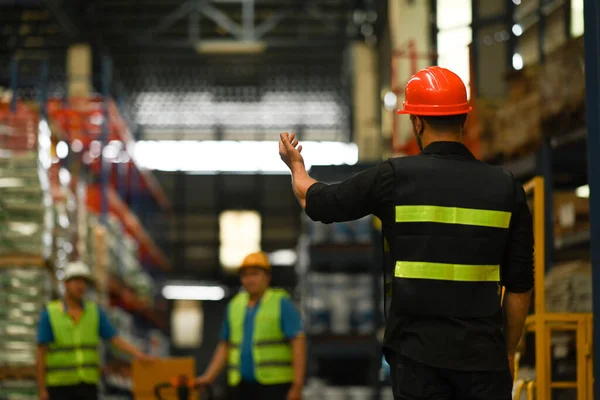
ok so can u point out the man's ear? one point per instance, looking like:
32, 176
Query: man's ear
418, 123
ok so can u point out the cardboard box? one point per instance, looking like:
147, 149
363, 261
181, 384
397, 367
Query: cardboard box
147, 375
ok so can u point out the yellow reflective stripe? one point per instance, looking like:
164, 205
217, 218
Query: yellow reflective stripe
447, 272
453, 215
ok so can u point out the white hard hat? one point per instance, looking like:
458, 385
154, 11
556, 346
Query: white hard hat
77, 269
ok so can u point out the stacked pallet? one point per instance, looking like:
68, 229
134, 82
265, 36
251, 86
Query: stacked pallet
25, 205
18, 383
134, 275
24, 292
571, 214
511, 126
547, 98
27, 217
569, 287
562, 79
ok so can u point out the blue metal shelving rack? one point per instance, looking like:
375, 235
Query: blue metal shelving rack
349, 259
592, 84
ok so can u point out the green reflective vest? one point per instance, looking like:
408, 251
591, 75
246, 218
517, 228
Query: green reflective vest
73, 357
271, 350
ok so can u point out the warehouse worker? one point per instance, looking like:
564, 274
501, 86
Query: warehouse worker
262, 342
457, 229
69, 332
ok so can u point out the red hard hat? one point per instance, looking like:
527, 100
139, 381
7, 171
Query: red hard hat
435, 91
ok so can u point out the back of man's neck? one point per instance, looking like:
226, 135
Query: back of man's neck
440, 137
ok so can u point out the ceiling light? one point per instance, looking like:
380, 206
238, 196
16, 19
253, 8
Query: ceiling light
283, 257
583, 191
62, 150
517, 61
76, 146
517, 30
236, 156
189, 292
390, 101
230, 47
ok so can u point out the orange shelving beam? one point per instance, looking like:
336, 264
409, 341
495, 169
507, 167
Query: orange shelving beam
78, 119
149, 179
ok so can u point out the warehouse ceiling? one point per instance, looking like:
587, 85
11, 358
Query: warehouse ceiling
159, 52
156, 25
295, 74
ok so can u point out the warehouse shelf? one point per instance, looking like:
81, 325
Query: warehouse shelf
17, 373
131, 303
131, 223
342, 326
22, 260
575, 239
86, 115
527, 166
343, 346
349, 257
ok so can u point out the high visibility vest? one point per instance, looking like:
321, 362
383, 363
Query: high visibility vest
73, 357
271, 351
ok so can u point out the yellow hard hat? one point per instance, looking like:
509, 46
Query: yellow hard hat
258, 260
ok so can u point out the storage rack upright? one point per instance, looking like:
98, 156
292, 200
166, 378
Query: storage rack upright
347, 258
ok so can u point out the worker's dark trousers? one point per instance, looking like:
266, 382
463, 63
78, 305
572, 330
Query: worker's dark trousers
255, 391
75, 392
412, 380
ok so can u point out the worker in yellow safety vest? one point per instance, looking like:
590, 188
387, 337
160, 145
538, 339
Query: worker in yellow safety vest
262, 342
69, 332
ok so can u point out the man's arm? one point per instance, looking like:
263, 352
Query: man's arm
352, 199
45, 336
41, 368
299, 359
217, 364
291, 325
127, 347
219, 359
301, 182
517, 273
109, 333
516, 308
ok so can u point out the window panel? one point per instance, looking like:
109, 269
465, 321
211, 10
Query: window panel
453, 13
187, 324
453, 51
577, 18
240, 235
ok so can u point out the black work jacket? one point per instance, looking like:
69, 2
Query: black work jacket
457, 229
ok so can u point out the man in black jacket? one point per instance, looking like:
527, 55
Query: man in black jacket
458, 230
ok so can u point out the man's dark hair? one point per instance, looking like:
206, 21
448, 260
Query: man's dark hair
447, 123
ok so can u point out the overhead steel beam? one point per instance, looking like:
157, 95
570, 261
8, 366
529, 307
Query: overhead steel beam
270, 24
61, 17
222, 20
26, 3
194, 23
248, 19
270, 43
168, 21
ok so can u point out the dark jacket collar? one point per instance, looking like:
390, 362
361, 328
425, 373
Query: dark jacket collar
455, 149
